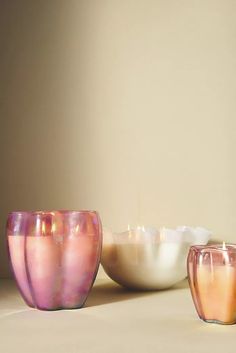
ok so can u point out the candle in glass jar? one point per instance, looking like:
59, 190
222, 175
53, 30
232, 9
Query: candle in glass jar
54, 256
212, 278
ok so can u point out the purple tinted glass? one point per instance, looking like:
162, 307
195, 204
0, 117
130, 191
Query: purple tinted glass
54, 256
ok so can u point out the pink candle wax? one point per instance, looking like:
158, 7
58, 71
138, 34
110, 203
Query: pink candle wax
77, 271
43, 261
16, 245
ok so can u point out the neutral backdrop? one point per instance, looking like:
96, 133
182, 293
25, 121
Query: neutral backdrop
123, 106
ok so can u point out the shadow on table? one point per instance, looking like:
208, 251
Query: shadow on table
103, 292
110, 292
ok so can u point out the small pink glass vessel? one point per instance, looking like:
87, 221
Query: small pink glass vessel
54, 256
212, 280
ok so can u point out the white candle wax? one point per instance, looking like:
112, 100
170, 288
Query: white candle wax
143, 258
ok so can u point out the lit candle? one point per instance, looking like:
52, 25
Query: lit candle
212, 278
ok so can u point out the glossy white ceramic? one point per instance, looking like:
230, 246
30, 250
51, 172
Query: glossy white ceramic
147, 258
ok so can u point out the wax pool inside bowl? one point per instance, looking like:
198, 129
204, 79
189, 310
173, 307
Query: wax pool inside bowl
154, 265
54, 272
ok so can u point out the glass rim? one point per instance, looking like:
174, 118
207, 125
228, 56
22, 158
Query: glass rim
214, 247
48, 212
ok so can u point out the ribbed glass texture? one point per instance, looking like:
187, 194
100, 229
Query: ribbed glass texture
54, 256
212, 280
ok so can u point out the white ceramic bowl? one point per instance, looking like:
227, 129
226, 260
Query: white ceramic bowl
149, 259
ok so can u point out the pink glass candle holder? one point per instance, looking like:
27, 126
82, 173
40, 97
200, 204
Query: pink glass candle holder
54, 256
212, 280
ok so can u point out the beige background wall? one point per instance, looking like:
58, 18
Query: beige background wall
124, 106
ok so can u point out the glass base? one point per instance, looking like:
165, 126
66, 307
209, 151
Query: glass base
210, 321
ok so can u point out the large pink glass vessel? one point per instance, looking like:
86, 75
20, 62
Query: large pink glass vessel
54, 256
212, 280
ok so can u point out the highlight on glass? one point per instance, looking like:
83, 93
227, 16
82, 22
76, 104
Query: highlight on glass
54, 256
212, 280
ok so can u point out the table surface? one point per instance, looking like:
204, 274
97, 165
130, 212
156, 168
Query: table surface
113, 320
